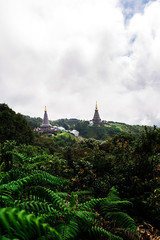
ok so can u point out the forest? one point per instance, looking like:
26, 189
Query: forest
64, 187
105, 131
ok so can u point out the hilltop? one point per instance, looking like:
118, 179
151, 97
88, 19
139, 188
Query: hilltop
107, 130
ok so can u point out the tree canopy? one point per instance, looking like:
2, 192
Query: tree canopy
13, 126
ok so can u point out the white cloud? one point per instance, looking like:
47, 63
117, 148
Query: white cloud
68, 54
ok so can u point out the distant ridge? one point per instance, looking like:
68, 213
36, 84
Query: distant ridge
108, 130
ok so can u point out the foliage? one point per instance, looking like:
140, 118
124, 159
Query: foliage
5, 155
87, 205
67, 217
33, 121
65, 138
107, 130
68, 124
54, 212
48, 144
16, 224
14, 127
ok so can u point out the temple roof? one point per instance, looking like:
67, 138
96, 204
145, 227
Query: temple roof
45, 122
96, 117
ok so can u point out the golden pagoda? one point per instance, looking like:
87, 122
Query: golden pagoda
96, 118
45, 124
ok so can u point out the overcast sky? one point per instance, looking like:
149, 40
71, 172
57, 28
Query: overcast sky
68, 54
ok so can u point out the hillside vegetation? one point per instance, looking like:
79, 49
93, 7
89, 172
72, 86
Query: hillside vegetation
107, 130
68, 188
14, 126
102, 132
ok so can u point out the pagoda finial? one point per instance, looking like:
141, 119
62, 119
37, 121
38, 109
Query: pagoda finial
96, 106
45, 109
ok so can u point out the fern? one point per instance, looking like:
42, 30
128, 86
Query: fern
35, 179
38, 207
51, 197
129, 235
5, 197
85, 219
20, 183
68, 229
62, 194
100, 233
22, 158
84, 192
109, 205
34, 165
51, 179
92, 203
113, 195
25, 159
68, 217
111, 210
122, 220
13, 175
18, 224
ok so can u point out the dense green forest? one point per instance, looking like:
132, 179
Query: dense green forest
105, 131
63, 187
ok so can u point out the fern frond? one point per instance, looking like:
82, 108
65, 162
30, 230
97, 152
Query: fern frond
110, 206
58, 202
128, 234
51, 179
92, 203
113, 195
85, 219
68, 230
122, 220
84, 192
62, 194
33, 165
38, 207
20, 183
18, 224
25, 159
5, 197
20, 156
35, 179
40, 158
100, 233
3, 175
12, 175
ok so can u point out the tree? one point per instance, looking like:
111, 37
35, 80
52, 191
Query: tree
14, 127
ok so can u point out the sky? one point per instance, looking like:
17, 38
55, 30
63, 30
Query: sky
68, 54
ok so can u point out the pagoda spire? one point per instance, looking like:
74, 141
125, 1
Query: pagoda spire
96, 106
45, 123
96, 118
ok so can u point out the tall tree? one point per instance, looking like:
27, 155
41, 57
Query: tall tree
14, 127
